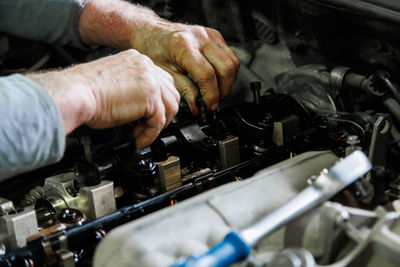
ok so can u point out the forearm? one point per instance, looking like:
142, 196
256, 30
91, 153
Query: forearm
31, 127
114, 23
70, 92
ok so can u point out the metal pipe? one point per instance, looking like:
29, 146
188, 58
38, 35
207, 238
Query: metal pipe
384, 77
325, 186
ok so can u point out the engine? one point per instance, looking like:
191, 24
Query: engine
315, 76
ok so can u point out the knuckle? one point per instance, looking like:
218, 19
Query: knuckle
181, 38
235, 58
148, 72
178, 98
207, 75
229, 69
151, 88
159, 118
154, 90
145, 59
181, 43
201, 30
162, 121
166, 74
146, 77
169, 77
214, 32
139, 56
131, 51
236, 61
174, 109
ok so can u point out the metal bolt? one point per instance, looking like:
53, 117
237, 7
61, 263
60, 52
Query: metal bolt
352, 140
312, 179
342, 218
256, 88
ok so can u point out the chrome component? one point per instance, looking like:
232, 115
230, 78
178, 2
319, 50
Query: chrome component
98, 200
62, 186
324, 187
292, 257
6, 207
201, 173
336, 77
352, 141
61, 192
46, 209
379, 140
374, 233
365, 228
16, 228
33, 195
70, 217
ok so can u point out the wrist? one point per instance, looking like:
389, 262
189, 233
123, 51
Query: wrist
71, 94
143, 37
113, 23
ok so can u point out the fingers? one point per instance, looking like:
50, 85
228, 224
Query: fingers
225, 68
147, 131
169, 84
213, 65
204, 74
219, 40
160, 114
169, 95
171, 106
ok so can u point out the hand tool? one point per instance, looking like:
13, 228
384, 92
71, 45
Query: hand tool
236, 246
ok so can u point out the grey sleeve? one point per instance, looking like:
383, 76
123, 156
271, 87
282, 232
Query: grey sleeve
51, 21
31, 127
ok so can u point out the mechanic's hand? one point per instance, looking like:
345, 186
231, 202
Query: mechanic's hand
177, 48
185, 49
118, 89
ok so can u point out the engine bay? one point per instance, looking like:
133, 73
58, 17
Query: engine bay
314, 76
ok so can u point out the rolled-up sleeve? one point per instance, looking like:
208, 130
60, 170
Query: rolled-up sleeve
51, 21
31, 127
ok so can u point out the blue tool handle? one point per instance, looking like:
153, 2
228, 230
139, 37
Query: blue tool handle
231, 250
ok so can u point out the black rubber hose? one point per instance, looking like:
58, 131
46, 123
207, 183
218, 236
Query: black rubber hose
393, 106
385, 78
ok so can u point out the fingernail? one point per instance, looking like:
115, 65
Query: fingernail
193, 109
215, 106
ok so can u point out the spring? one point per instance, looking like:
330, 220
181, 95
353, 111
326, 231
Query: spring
33, 195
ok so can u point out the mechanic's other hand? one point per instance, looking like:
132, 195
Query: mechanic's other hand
188, 49
133, 87
115, 90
